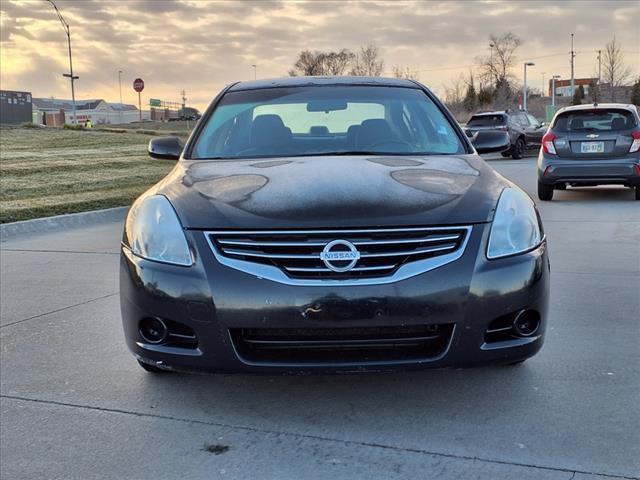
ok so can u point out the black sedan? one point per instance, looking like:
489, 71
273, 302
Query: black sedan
331, 224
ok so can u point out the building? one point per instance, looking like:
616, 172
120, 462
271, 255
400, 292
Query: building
96, 110
563, 87
15, 107
126, 113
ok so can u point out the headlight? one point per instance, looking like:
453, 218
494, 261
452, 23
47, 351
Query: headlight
515, 227
154, 232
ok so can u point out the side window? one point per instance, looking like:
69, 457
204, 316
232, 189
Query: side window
521, 119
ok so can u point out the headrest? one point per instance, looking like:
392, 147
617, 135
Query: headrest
577, 123
618, 123
269, 130
319, 130
372, 131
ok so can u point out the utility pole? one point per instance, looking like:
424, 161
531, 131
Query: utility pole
255, 71
120, 87
184, 104
553, 89
543, 84
596, 94
69, 75
573, 80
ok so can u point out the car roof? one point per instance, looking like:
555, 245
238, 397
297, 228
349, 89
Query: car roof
597, 106
284, 82
496, 112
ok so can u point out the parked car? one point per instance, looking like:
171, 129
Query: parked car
331, 224
525, 130
590, 145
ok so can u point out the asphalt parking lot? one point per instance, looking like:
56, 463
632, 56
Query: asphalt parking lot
76, 405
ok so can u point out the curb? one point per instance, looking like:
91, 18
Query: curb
60, 222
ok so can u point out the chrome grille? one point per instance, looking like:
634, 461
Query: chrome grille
384, 253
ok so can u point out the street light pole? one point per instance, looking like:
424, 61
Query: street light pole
524, 93
120, 87
69, 75
255, 71
491, 45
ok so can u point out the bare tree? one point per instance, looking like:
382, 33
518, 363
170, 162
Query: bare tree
405, 72
454, 91
322, 63
495, 68
308, 63
335, 63
614, 70
367, 62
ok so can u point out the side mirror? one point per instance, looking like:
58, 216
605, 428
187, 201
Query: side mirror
165, 148
489, 141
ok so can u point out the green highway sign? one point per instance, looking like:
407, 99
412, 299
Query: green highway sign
154, 102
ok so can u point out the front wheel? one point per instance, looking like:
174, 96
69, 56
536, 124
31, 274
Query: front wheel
545, 192
518, 149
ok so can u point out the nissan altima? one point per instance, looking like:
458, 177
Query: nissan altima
319, 224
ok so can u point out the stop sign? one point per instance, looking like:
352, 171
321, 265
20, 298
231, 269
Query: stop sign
138, 85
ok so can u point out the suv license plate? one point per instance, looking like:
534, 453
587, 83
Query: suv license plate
592, 147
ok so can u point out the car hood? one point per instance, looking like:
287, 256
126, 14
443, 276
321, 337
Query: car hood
333, 191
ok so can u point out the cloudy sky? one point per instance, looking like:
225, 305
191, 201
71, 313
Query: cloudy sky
200, 45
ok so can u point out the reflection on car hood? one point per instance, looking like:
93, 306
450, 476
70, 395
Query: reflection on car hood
340, 191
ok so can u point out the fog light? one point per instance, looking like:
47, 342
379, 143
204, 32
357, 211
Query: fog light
153, 330
526, 323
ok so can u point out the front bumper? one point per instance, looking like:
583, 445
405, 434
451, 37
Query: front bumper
220, 304
615, 171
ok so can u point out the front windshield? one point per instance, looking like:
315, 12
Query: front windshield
325, 120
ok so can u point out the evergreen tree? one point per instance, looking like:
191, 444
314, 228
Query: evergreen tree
635, 93
577, 98
484, 97
471, 97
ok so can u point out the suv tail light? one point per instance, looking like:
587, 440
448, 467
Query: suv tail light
547, 143
635, 146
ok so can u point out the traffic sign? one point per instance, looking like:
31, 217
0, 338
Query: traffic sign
138, 85
155, 102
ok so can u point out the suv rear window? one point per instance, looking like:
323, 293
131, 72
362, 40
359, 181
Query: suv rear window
486, 121
600, 120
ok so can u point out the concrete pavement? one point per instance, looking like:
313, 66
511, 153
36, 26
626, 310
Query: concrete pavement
76, 405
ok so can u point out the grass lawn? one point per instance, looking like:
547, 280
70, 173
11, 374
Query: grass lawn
50, 171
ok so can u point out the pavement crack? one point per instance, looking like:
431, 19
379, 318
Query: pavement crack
310, 437
57, 310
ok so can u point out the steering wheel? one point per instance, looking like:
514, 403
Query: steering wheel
391, 141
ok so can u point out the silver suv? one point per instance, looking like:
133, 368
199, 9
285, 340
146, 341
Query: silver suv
588, 145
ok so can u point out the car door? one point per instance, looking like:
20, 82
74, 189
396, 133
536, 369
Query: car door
528, 129
535, 131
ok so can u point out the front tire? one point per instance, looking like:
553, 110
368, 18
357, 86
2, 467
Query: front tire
638, 192
518, 149
545, 192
